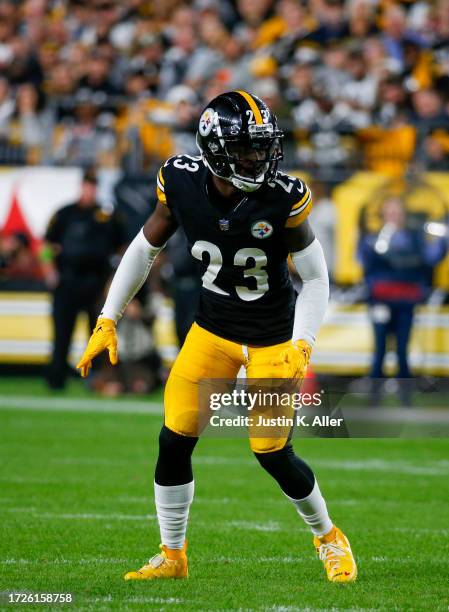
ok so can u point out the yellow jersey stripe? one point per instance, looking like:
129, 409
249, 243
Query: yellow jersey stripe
299, 218
162, 198
302, 200
296, 211
160, 177
253, 106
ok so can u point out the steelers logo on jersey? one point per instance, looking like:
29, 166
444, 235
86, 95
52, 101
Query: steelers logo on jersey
206, 122
261, 229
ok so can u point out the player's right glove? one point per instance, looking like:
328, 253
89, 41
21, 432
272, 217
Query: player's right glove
104, 337
295, 359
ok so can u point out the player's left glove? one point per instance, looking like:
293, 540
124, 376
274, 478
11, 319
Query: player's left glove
295, 359
104, 337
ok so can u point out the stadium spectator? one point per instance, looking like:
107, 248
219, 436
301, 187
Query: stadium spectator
300, 75
125, 52
147, 58
431, 123
428, 109
81, 238
362, 19
183, 55
6, 108
389, 150
88, 137
20, 268
144, 132
32, 124
358, 95
394, 33
184, 111
24, 65
397, 263
252, 14
392, 102
435, 150
332, 22
97, 79
331, 73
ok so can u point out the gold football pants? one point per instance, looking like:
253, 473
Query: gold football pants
207, 356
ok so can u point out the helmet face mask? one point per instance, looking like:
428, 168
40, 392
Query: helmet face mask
234, 146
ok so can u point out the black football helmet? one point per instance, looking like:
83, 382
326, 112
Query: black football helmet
239, 140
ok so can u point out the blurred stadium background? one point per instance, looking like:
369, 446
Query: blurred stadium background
360, 87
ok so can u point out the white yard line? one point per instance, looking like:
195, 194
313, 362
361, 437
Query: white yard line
65, 404
288, 559
114, 516
379, 465
134, 499
252, 526
40, 481
206, 460
138, 600
438, 468
96, 461
157, 600
64, 561
85, 516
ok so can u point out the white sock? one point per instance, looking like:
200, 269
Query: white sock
172, 507
312, 509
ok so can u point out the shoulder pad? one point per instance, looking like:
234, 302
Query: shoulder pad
296, 195
178, 163
189, 163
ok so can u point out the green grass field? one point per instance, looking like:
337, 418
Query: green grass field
76, 513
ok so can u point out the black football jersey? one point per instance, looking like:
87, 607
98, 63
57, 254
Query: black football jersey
247, 295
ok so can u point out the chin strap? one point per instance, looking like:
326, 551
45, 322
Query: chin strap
244, 186
238, 183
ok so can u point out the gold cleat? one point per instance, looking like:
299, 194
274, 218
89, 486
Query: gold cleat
335, 552
168, 563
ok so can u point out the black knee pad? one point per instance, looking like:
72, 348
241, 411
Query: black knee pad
292, 474
174, 463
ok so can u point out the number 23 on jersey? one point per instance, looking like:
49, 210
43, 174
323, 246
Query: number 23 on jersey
242, 258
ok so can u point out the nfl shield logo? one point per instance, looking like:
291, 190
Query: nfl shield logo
224, 225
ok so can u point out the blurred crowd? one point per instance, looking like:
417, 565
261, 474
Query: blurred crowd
121, 84
356, 84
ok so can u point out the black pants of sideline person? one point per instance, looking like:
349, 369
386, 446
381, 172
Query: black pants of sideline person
397, 324
69, 299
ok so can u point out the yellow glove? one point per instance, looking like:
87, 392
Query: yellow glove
295, 359
103, 337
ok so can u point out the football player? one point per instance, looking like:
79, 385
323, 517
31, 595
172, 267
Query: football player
242, 218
